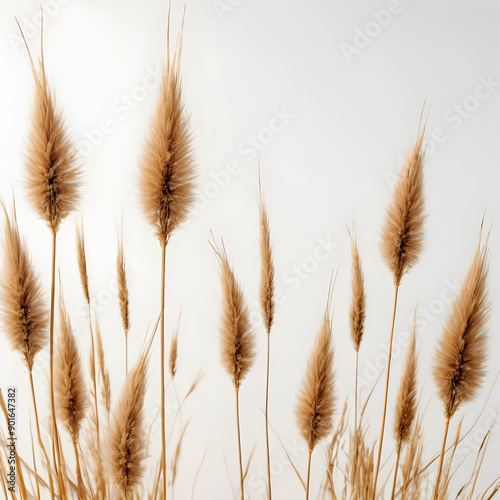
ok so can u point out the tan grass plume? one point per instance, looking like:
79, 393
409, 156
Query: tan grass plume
406, 401
82, 261
316, 402
238, 349
127, 436
23, 302
122, 287
69, 381
167, 171
459, 366
358, 301
266, 266
403, 234
53, 176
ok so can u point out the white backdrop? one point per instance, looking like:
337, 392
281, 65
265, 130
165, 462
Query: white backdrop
328, 95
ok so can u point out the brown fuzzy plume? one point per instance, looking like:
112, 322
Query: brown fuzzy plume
23, 303
69, 383
237, 338
459, 366
167, 172
172, 360
266, 267
403, 232
406, 402
82, 261
316, 402
122, 287
358, 301
127, 437
106, 385
53, 177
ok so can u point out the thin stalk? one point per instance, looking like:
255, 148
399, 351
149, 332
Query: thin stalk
56, 450
162, 348
35, 470
267, 421
94, 380
441, 458
239, 442
40, 442
396, 471
308, 474
382, 428
356, 394
78, 470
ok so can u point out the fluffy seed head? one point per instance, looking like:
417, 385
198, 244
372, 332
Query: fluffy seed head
266, 268
23, 303
167, 172
459, 366
316, 402
358, 301
237, 338
403, 231
69, 380
406, 402
127, 438
53, 176
122, 287
82, 262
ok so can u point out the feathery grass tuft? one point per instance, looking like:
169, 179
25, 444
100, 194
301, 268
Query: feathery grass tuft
23, 302
461, 354
237, 337
358, 301
69, 381
127, 436
403, 232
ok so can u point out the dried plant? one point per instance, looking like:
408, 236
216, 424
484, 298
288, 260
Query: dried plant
267, 307
357, 312
237, 337
406, 402
123, 295
459, 367
316, 402
402, 243
23, 302
127, 435
167, 184
69, 384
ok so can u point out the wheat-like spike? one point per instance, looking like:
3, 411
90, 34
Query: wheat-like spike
358, 301
127, 436
167, 170
316, 402
106, 385
266, 266
69, 383
459, 366
237, 337
172, 360
82, 261
122, 287
403, 231
23, 302
406, 402
53, 175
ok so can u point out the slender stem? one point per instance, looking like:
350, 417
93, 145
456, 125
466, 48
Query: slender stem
267, 419
356, 394
396, 471
95, 381
308, 474
78, 470
441, 458
40, 442
382, 428
162, 366
126, 354
239, 443
56, 450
